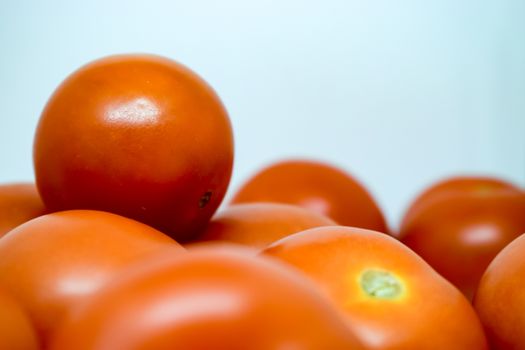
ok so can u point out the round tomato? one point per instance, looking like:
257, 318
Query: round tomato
52, 262
259, 224
459, 235
16, 330
206, 300
19, 202
390, 296
316, 186
139, 136
500, 298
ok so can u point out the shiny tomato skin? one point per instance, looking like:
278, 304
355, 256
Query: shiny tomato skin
54, 261
459, 235
137, 135
259, 224
500, 298
16, 330
422, 311
207, 300
316, 186
19, 202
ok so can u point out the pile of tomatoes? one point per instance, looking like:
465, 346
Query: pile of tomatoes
118, 245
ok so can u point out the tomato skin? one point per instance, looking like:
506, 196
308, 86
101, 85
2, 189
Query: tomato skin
469, 229
19, 202
426, 311
16, 330
259, 224
207, 300
52, 262
145, 138
316, 186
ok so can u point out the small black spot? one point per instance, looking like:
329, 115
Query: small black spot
204, 199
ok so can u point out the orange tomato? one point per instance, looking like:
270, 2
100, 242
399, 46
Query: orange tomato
391, 297
206, 300
19, 202
16, 330
316, 186
52, 262
137, 135
500, 299
259, 224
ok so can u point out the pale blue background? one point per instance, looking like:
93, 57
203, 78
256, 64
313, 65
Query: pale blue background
399, 93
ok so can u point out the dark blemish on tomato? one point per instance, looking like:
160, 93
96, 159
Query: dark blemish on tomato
205, 199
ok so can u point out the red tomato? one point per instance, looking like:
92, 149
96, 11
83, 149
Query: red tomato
19, 202
460, 234
140, 136
259, 224
315, 186
52, 262
500, 299
16, 330
391, 297
206, 300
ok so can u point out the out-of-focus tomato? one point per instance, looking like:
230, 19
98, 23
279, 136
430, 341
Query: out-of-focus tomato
259, 224
391, 297
19, 202
52, 262
207, 300
317, 186
16, 330
140, 136
460, 234
500, 298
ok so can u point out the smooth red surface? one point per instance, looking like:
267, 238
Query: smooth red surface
316, 186
259, 224
54, 261
16, 330
207, 300
500, 298
428, 313
19, 202
141, 136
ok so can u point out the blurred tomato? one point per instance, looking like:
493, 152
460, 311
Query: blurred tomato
500, 298
19, 202
391, 297
52, 262
140, 136
459, 234
316, 186
207, 300
16, 330
259, 224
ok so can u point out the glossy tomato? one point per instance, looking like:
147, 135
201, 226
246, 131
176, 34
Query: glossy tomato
16, 330
391, 297
52, 262
207, 300
259, 224
500, 298
19, 202
460, 234
140, 136
316, 186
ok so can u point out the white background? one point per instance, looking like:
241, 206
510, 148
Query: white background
399, 93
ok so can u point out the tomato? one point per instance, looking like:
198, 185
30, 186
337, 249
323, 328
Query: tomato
216, 300
136, 135
259, 224
315, 186
19, 202
52, 262
16, 330
391, 297
500, 298
460, 234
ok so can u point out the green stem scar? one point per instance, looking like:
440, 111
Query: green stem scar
380, 284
